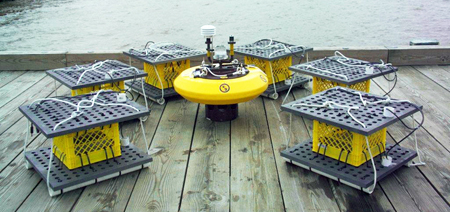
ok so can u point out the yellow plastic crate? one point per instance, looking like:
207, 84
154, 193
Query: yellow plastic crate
320, 84
167, 72
339, 143
108, 86
280, 67
99, 144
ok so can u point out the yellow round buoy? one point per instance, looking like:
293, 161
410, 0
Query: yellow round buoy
222, 91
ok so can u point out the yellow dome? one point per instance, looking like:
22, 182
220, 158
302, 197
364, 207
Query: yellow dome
221, 91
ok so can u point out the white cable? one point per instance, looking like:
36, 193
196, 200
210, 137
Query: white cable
273, 79
145, 138
49, 166
420, 163
145, 98
373, 165
329, 104
78, 106
290, 87
160, 82
25, 142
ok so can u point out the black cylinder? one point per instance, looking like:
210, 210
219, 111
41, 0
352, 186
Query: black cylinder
221, 113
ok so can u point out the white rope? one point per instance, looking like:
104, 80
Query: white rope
373, 166
25, 142
49, 166
145, 138
420, 163
329, 104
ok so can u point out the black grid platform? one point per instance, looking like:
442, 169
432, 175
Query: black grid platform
257, 49
47, 114
362, 176
370, 115
62, 179
69, 76
299, 81
177, 52
152, 92
354, 74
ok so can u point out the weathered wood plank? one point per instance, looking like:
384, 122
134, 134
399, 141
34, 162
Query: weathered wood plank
40, 200
437, 74
113, 195
9, 114
86, 57
419, 55
19, 85
254, 177
8, 76
207, 179
437, 159
421, 90
31, 60
348, 198
369, 53
159, 187
17, 182
13, 138
302, 189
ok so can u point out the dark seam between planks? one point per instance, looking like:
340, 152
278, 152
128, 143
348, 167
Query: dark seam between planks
13, 79
273, 151
430, 79
150, 144
423, 127
23, 91
189, 156
20, 205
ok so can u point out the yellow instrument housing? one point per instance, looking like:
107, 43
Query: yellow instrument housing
221, 91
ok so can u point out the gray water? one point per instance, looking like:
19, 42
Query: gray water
51, 25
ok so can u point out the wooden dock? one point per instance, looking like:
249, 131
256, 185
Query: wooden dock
231, 166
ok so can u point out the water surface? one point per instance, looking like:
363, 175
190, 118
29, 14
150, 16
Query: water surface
51, 25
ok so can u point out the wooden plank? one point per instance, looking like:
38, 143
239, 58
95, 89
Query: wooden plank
302, 189
17, 182
419, 55
15, 60
86, 57
8, 76
9, 114
436, 171
437, 74
348, 198
40, 200
254, 178
421, 90
13, 138
368, 53
113, 195
19, 85
159, 187
207, 179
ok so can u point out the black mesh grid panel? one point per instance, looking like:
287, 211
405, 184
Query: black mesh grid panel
49, 113
361, 176
298, 81
354, 74
250, 50
370, 115
151, 92
62, 177
150, 56
69, 76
